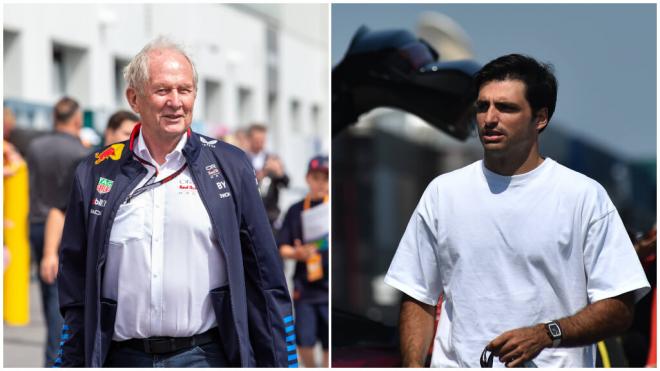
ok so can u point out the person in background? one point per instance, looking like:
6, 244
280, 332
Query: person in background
52, 159
269, 169
119, 128
241, 138
310, 293
19, 137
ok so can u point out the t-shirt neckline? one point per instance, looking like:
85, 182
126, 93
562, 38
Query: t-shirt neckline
516, 179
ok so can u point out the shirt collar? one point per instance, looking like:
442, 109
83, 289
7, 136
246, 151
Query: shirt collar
176, 154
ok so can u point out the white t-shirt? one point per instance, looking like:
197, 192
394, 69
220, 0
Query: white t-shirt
510, 252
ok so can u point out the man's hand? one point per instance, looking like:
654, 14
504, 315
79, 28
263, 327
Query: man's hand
274, 166
595, 322
52, 236
48, 268
303, 252
520, 345
647, 245
298, 251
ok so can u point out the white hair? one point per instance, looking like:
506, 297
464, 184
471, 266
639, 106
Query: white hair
136, 73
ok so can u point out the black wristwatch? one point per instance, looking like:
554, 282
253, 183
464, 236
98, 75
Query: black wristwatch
554, 331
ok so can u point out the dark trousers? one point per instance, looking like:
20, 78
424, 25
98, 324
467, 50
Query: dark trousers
311, 323
207, 355
49, 298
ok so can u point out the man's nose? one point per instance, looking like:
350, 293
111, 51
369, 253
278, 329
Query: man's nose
492, 116
174, 99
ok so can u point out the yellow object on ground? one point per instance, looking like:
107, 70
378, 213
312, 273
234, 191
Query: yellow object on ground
604, 354
17, 272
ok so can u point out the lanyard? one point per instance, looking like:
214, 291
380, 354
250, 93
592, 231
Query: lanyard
150, 184
308, 201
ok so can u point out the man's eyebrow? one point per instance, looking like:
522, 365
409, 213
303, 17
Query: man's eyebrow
507, 104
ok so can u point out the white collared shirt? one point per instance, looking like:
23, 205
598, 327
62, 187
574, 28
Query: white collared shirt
163, 257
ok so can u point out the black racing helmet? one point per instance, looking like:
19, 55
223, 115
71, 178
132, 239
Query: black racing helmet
393, 68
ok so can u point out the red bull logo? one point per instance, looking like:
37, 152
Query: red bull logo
113, 152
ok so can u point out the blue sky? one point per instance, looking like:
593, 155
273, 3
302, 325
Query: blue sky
604, 57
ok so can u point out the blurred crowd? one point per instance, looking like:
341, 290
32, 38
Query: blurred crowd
38, 172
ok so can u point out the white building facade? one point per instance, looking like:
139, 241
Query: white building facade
256, 63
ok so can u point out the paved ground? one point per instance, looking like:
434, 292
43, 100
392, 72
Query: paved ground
24, 345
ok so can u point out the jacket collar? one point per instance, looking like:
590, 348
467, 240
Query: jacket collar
190, 149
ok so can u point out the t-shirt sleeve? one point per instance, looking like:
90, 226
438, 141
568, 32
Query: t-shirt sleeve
611, 264
415, 267
61, 194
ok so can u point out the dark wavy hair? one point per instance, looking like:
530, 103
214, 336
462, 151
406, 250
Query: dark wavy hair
118, 117
539, 79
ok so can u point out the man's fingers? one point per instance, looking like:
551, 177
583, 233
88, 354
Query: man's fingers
46, 276
518, 360
513, 358
509, 348
512, 355
497, 343
42, 272
52, 272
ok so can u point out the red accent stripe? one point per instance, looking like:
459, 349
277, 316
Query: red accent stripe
134, 134
136, 130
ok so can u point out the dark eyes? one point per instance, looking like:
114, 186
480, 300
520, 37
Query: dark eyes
164, 91
482, 107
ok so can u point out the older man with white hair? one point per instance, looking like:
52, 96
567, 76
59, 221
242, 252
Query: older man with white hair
167, 257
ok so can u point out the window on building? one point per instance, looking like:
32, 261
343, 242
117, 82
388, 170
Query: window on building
315, 120
245, 108
273, 118
11, 59
212, 102
272, 56
120, 83
294, 116
58, 72
70, 72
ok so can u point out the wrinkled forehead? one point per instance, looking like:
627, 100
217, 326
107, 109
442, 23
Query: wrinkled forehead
506, 89
168, 60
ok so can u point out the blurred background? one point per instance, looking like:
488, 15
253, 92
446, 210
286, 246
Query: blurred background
604, 126
257, 63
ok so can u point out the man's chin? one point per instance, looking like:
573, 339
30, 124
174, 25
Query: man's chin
174, 128
494, 147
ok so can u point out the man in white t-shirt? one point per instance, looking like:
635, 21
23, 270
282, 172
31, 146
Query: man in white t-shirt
531, 259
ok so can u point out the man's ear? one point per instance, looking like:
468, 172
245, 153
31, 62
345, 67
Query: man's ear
131, 97
541, 120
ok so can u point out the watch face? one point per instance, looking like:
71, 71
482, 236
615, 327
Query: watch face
554, 330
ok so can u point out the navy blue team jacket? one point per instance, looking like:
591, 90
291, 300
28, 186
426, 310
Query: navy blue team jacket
253, 311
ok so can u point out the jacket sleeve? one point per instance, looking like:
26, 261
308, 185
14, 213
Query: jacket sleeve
270, 316
71, 279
